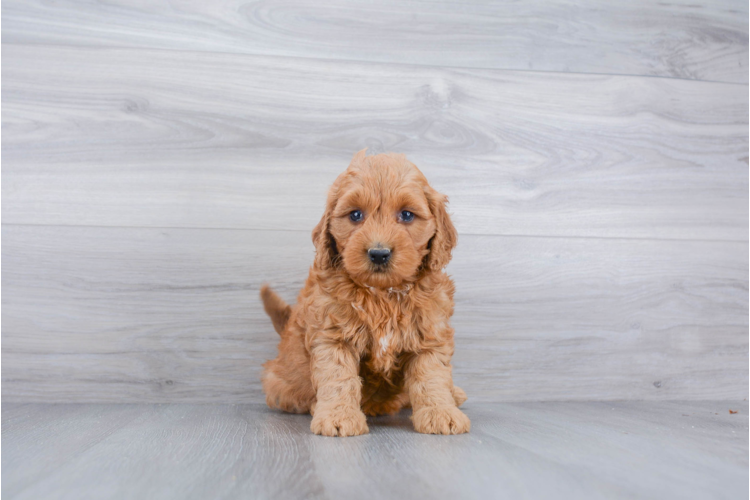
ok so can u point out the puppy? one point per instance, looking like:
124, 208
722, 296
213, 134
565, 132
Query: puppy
370, 333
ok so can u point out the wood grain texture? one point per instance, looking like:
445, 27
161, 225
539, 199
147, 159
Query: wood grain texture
162, 159
681, 39
649, 450
188, 139
140, 314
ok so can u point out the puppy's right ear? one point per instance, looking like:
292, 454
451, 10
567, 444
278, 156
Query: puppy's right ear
326, 252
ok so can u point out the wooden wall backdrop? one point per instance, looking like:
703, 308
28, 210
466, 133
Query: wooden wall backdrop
160, 160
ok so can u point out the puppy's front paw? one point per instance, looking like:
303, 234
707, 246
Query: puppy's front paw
440, 420
339, 422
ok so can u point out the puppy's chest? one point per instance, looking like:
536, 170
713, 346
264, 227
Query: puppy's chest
386, 330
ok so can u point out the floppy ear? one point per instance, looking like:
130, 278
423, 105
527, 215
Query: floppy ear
446, 237
325, 246
326, 252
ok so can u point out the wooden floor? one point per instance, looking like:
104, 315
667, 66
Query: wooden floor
645, 450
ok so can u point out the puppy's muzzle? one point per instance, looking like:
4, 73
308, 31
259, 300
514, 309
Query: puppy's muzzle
379, 256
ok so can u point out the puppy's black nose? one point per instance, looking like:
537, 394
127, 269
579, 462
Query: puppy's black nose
379, 255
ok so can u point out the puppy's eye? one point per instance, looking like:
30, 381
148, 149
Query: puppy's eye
356, 216
405, 216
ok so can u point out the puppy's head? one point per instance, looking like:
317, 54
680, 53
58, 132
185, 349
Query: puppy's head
383, 223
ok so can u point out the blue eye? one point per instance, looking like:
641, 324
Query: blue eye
406, 216
356, 216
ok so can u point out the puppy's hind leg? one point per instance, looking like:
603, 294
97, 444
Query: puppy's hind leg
286, 379
283, 395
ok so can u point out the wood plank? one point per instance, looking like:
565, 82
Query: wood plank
155, 315
29, 432
680, 39
690, 450
188, 139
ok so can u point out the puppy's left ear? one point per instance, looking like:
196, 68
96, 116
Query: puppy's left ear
446, 237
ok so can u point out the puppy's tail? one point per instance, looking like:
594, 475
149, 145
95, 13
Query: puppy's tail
278, 310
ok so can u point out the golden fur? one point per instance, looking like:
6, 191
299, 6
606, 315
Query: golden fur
363, 339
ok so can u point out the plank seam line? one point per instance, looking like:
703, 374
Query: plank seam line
304, 231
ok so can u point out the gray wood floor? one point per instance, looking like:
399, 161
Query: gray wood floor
651, 450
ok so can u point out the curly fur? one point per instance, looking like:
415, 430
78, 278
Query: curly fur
364, 339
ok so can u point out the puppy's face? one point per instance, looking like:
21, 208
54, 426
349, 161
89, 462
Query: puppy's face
383, 222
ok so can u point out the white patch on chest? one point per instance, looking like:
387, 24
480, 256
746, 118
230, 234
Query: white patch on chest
385, 342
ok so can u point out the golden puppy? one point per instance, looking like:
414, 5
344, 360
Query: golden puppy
370, 333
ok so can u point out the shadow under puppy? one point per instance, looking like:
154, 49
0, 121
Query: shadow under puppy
370, 333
